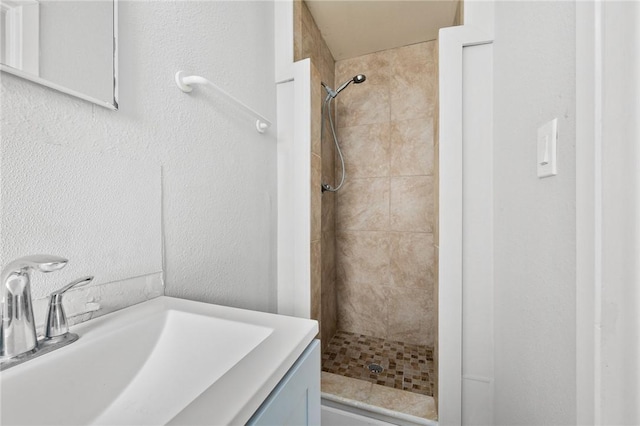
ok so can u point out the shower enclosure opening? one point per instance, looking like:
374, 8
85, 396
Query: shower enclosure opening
373, 205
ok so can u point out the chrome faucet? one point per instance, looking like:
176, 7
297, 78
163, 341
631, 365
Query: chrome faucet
18, 339
18, 332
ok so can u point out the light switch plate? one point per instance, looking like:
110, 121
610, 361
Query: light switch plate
547, 158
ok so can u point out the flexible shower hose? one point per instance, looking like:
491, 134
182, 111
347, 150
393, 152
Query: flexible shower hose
327, 106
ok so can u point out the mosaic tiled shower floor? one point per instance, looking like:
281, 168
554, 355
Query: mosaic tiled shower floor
407, 367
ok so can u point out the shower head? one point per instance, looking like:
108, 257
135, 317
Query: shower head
360, 78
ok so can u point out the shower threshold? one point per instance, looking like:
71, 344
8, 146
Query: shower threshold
393, 406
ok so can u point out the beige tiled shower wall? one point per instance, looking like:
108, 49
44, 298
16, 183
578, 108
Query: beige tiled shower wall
308, 43
385, 254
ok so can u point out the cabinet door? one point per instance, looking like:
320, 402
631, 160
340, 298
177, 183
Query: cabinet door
296, 399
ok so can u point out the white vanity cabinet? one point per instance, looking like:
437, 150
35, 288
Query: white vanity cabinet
296, 399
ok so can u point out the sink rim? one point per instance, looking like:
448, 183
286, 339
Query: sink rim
275, 354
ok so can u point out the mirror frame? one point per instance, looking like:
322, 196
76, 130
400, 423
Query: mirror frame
39, 80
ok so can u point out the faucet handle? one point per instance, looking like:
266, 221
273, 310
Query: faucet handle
56, 317
77, 283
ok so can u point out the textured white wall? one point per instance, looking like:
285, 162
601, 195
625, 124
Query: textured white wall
217, 174
534, 81
97, 210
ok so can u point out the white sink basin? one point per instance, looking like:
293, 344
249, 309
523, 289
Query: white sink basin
163, 360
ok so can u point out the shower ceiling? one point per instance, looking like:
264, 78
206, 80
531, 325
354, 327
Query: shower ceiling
355, 28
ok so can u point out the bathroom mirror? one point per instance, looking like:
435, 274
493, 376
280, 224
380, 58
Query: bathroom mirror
67, 45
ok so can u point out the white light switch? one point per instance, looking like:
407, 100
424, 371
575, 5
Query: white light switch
547, 137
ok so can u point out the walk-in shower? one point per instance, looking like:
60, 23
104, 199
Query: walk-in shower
326, 111
373, 262
384, 220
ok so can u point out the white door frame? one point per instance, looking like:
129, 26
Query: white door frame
588, 213
607, 210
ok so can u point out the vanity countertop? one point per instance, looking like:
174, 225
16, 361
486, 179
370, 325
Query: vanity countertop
164, 361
